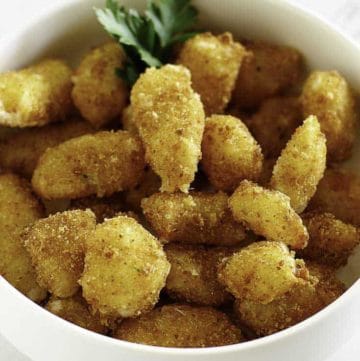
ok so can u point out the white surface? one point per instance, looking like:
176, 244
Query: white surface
345, 13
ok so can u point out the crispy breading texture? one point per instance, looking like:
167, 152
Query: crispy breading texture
125, 269
99, 93
339, 193
327, 95
274, 123
18, 209
170, 119
75, 310
270, 70
268, 213
36, 95
261, 271
193, 274
193, 218
230, 153
214, 63
127, 121
180, 326
56, 246
266, 172
21, 151
300, 302
301, 165
102, 163
331, 240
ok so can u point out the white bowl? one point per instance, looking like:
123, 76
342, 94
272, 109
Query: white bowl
67, 31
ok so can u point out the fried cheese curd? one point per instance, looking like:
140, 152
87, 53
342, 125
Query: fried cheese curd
101, 163
230, 153
75, 310
331, 240
269, 71
339, 193
18, 209
214, 63
302, 301
193, 274
301, 165
194, 218
36, 95
56, 246
261, 272
327, 95
21, 151
127, 121
180, 325
170, 118
125, 269
99, 93
274, 123
268, 213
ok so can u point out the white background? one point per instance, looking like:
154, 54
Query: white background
344, 13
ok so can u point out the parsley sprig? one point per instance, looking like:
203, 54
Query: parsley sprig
148, 38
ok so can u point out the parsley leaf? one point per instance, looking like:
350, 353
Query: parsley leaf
147, 39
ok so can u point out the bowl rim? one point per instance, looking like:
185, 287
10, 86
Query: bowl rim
69, 327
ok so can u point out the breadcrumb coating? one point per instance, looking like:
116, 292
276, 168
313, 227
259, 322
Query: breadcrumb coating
125, 269
327, 95
214, 63
268, 213
195, 218
261, 272
301, 165
127, 121
193, 274
170, 119
274, 123
230, 153
75, 310
269, 71
36, 95
102, 163
180, 326
21, 151
99, 93
56, 246
300, 302
331, 240
339, 193
18, 209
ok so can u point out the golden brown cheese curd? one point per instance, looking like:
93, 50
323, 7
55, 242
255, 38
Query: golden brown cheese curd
56, 246
170, 119
21, 151
75, 310
261, 271
180, 326
339, 193
230, 153
214, 63
193, 218
36, 95
102, 163
18, 209
301, 165
327, 95
268, 213
300, 302
193, 274
127, 121
331, 240
99, 93
270, 70
274, 123
125, 269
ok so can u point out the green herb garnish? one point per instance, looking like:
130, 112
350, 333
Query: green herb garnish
147, 39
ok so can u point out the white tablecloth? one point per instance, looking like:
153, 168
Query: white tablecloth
345, 13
